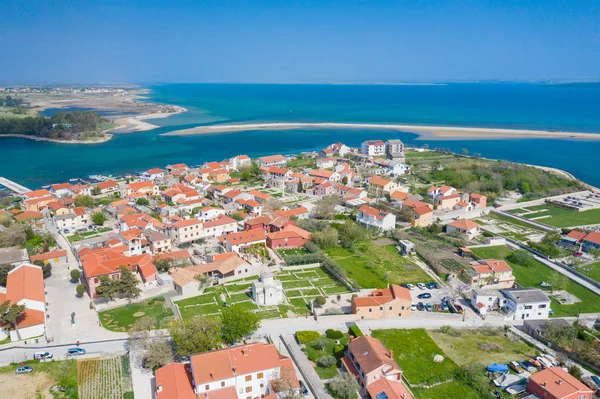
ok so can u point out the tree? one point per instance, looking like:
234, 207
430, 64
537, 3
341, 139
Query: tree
558, 281
320, 343
139, 335
465, 152
10, 314
107, 288
75, 275
343, 386
345, 180
237, 322
285, 383
13, 236
96, 190
326, 361
271, 205
159, 352
575, 371
325, 209
4, 269
196, 335
300, 186
326, 238
47, 270
142, 202
350, 233
98, 218
84, 200
80, 289
127, 284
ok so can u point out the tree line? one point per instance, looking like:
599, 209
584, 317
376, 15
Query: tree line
62, 125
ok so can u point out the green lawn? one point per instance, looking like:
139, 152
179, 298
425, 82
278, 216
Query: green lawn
189, 312
464, 347
561, 217
292, 251
510, 220
121, 319
592, 270
454, 389
302, 163
414, 351
533, 276
370, 266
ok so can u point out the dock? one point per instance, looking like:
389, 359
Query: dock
12, 186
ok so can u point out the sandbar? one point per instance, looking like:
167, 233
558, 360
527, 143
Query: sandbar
424, 132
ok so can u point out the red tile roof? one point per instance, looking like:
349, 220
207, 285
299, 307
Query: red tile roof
175, 382
25, 282
559, 383
49, 255
463, 224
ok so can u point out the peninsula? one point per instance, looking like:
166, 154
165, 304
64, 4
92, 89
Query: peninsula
424, 132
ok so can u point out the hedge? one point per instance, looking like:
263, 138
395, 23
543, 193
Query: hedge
306, 336
355, 331
334, 334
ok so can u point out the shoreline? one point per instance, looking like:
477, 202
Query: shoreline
132, 124
104, 139
424, 132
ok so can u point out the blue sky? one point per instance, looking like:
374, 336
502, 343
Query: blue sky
297, 41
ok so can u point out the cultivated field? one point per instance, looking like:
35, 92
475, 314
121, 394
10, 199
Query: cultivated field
104, 378
557, 216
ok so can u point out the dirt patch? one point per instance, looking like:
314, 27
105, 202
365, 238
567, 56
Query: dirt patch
25, 385
383, 242
565, 297
138, 314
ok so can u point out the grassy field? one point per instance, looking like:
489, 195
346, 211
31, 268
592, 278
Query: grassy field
454, 389
44, 376
592, 271
377, 266
465, 347
314, 353
558, 217
122, 319
532, 277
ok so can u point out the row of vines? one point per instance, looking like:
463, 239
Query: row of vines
103, 378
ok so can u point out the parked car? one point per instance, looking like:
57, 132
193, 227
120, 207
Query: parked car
458, 308
596, 380
425, 295
577, 254
420, 306
422, 286
429, 307
43, 355
413, 307
409, 286
24, 370
433, 285
444, 306
303, 388
516, 367
75, 351
535, 363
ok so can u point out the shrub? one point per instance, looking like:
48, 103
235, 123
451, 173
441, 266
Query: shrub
75, 275
487, 234
491, 347
339, 350
522, 257
355, 331
80, 289
320, 300
306, 336
334, 334
326, 361
343, 386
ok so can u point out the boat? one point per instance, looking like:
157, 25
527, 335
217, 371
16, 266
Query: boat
545, 284
516, 389
497, 368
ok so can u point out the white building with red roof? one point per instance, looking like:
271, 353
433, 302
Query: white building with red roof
272, 160
153, 174
371, 217
372, 148
236, 242
463, 226
393, 301
25, 286
491, 273
237, 372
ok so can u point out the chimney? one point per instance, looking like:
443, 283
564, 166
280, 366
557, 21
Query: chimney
544, 384
234, 371
391, 354
559, 382
159, 388
211, 376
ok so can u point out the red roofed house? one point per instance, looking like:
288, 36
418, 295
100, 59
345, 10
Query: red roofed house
379, 185
38, 203
108, 186
393, 301
240, 161
371, 217
186, 231
106, 262
152, 174
372, 148
176, 168
447, 202
237, 372
591, 241
76, 218
28, 215
556, 383
573, 240
36, 194
375, 368
25, 286
272, 160
480, 201
323, 189
299, 212
146, 187
434, 192
289, 237
235, 242
463, 226
492, 273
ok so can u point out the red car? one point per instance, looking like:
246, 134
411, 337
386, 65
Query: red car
577, 254
459, 308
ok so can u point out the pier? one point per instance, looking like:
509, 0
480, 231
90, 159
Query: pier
12, 186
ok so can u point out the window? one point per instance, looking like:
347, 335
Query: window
370, 310
262, 385
527, 307
260, 375
222, 383
542, 306
381, 308
206, 387
248, 389
248, 378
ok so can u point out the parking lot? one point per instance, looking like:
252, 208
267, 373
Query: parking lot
436, 295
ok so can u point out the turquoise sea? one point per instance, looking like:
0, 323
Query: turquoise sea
527, 106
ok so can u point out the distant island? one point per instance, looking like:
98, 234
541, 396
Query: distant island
20, 109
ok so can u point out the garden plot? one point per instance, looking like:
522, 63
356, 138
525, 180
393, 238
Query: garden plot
303, 285
503, 225
104, 378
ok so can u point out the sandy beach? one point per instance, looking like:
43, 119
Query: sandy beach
104, 139
138, 124
424, 132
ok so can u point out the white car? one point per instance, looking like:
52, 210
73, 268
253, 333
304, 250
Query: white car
421, 286
410, 286
413, 307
